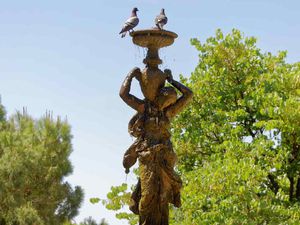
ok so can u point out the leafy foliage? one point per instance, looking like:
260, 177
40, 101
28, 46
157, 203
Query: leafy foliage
34, 159
238, 142
117, 198
91, 221
88, 221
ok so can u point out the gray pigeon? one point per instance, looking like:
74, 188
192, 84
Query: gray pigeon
130, 23
161, 19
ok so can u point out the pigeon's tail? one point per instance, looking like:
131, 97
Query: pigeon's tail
123, 34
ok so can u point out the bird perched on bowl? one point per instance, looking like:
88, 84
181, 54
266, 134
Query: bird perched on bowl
132, 22
161, 19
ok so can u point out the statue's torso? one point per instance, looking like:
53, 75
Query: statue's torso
157, 128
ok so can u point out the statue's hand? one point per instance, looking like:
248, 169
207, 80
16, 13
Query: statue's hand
135, 72
169, 75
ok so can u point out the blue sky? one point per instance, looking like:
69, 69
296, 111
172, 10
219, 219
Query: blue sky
67, 57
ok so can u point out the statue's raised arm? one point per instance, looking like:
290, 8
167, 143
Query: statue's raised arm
182, 101
128, 98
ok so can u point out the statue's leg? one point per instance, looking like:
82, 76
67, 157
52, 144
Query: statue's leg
165, 214
172, 181
156, 187
157, 216
136, 197
150, 204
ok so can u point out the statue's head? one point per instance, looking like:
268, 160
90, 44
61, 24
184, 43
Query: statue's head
166, 97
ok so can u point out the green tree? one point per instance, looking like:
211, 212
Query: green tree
117, 198
238, 141
34, 160
88, 221
91, 221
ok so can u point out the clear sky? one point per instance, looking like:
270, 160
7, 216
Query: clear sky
67, 57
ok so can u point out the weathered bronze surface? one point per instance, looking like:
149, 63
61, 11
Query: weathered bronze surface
158, 183
153, 39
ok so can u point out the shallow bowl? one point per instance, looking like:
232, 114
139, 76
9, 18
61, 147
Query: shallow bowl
154, 38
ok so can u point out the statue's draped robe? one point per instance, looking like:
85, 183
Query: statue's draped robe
158, 184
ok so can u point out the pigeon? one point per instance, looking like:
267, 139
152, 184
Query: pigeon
161, 19
130, 23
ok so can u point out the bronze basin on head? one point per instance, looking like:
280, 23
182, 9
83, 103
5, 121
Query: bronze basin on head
153, 39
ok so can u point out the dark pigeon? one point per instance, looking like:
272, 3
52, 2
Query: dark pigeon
130, 23
161, 19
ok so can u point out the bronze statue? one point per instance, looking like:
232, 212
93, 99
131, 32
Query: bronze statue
158, 183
